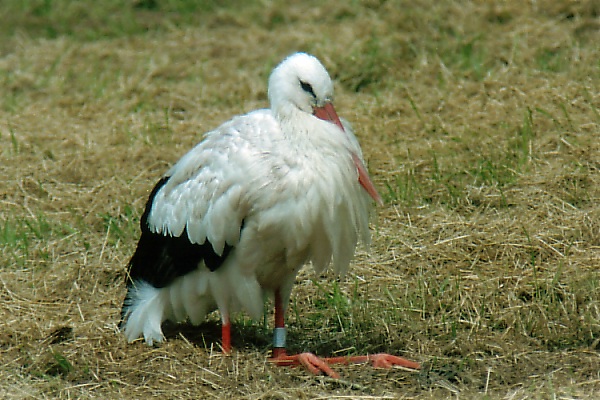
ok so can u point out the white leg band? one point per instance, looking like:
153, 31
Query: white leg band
279, 337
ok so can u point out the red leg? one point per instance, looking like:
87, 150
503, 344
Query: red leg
279, 331
310, 361
226, 336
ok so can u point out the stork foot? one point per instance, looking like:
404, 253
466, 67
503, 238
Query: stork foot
383, 360
311, 362
320, 366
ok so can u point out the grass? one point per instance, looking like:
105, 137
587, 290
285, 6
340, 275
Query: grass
479, 123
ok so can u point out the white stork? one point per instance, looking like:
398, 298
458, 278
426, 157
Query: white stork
238, 216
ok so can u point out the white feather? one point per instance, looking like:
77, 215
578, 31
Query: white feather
145, 313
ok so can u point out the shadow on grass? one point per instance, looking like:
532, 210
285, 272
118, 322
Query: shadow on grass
253, 336
208, 334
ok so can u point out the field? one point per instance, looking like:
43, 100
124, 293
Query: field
480, 124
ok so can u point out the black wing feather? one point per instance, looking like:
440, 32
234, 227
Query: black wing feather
159, 259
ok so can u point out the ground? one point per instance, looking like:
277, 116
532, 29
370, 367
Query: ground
479, 122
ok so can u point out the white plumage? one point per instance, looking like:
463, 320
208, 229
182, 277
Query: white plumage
264, 193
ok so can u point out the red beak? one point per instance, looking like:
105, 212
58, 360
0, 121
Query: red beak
365, 180
327, 113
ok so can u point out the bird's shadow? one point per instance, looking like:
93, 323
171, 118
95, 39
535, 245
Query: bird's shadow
207, 335
244, 335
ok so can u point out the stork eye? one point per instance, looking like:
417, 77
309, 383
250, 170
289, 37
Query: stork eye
308, 89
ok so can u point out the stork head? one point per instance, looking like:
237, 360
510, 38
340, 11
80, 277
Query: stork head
302, 83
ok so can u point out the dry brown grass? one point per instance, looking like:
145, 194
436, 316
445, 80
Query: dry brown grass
480, 124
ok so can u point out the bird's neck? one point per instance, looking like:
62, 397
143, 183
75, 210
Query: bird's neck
298, 125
